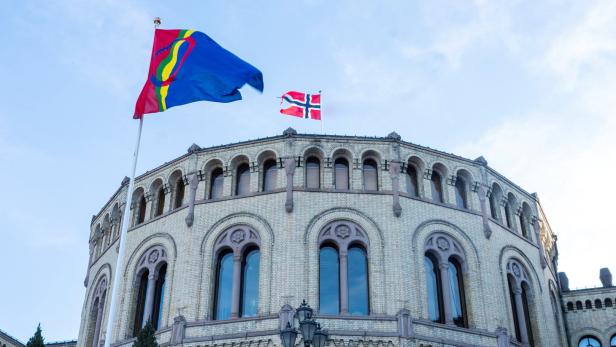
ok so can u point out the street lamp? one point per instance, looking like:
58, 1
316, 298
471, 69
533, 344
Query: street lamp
311, 331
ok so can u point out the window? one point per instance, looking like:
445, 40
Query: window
608, 302
343, 268
519, 297
152, 273
370, 173
437, 187
456, 291
578, 305
461, 193
179, 193
236, 292
494, 205
598, 303
141, 210
242, 180
412, 186
216, 183
313, 173
434, 288
590, 341
269, 175
160, 202
569, 306
96, 313
613, 341
588, 305
341, 178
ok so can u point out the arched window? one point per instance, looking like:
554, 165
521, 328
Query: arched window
525, 214
436, 182
461, 193
269, 175
519, 295
412, 185
343, 268
151, 273
242, 185
329, 280
588, 305
236, 292
313, 173
141, 210
613, 341
96, 313
216, 183
179, 193
509, 207
570, 306
578, 305
496, 196
598, 303
589, 341
160, 202
370, 173
341, 178
608, 302
434, 289
443, 263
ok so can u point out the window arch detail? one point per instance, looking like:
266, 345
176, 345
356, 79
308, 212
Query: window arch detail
589, 340
150, 282
236, 286
96, 312
519, 295
345, 245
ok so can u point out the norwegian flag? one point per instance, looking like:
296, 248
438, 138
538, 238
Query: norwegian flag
302, 105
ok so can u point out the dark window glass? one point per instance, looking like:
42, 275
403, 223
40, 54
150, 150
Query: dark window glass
529, 330
224, 285
608, 302
461, 193
437, 187
243, 180
160, 202
588, 305
179, 193
159, 295
250, 283
456, 292
216, 181
141, 214
329, 281
569, 306
341, 168
143, 287
578, 305
412, 187
493, 206
524, 224
613, 341
591, 341
435, 297
357, 272
508, 215
516, 322
370, 172
269, 175
598, 303
313, 173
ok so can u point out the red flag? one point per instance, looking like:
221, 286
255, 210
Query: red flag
302, 105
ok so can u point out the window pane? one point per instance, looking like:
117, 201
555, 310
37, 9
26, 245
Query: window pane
160, 207
437, 188
455, 292
250, 284
589, 341
411, 181
493, 206
243, 180
516, 322
432, 287
224, 284
461, 193
159, 293
313, 173
523, 224
269, 175
143, 287
216, 184
508, 215
370, 175
329, 281
613, 341
141, 215
179, 193
357, 273
341, 167
529, 330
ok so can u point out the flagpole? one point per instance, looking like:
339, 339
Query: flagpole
321, 98
111, 319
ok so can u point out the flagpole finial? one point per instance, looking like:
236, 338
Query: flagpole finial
156, 22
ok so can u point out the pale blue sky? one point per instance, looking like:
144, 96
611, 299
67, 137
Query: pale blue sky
527, 84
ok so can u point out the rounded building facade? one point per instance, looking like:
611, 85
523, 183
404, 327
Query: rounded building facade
391, 243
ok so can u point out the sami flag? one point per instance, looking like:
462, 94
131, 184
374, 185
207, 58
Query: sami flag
302, 105
188, 66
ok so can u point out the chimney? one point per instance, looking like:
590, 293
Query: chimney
606, 277
564, 281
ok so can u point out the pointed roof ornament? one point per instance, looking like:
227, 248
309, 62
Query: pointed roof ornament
394, 136
125, 181
289, 132
481, 161
194, 148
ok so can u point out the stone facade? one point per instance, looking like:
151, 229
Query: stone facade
496, 224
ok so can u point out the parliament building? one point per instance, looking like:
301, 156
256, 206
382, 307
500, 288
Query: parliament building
391, 243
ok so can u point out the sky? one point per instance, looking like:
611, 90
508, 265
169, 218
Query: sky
527, 84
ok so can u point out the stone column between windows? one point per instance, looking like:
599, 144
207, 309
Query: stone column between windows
289, 165
444, 267
99, 318
344, 298
235, 287
519, 308
149, 299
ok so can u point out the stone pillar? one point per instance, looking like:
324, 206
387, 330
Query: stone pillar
177, 330
427, 184
99, 321
289, 166
192, 193
519, 308
285, 316
149, 299
481, 192
444, 267
502, 339
405, 324
344, 298
535, 223
394, 172
235, 288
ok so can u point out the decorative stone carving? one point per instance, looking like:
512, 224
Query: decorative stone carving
178, 330
405, 324
343, 231
194, 148
606, 277
151, 260
238, 236
394, 172
442, 243
125, 181
481, 161
394, 136
289, 166
444, 246
192, 193
518, 272
289, 132
153, 257
286, 316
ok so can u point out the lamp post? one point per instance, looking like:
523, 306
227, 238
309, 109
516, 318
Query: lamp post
311, 331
